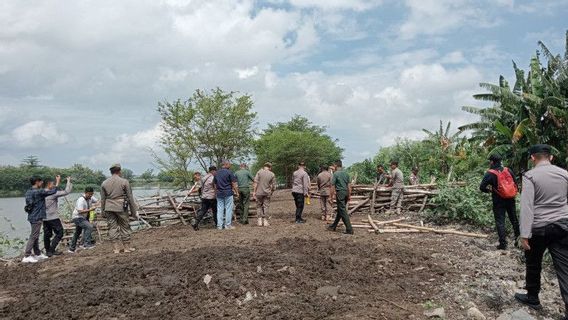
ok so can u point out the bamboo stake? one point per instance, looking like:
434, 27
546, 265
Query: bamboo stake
359, 206
373, 198
176, 210
467, 234
373, 224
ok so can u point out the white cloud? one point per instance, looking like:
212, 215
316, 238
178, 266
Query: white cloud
128, 148
435, 17
358, 5
38, 133
247, 72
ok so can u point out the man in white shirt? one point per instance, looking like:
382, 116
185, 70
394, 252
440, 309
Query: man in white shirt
85, 204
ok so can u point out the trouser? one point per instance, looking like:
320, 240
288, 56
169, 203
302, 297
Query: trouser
118, 225
555, 239
82, 225
224, 212
49, 228
207, 204
262, 206
500, 211
396, 199
299, 201
341, 198
33, 241
324, 202
243, 204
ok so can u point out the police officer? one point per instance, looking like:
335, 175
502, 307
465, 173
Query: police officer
544, 223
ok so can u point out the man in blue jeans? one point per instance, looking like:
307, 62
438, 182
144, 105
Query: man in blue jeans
226, 187
84, 205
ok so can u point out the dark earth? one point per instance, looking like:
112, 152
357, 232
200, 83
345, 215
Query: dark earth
285, 271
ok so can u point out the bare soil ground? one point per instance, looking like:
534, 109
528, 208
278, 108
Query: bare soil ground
285, 271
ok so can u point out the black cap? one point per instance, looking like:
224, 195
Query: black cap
495, 158
540, 148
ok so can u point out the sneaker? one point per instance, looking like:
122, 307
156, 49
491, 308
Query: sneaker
29, 259
230, 227
41, 257
530, 301
299, 221
70, 251
259, 222
265, 222
331, 227
57, 253
348, 232
49, 254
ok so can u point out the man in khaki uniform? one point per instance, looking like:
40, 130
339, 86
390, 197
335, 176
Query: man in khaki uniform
324, 188
397, 184
263, 187
116, 201
300, 190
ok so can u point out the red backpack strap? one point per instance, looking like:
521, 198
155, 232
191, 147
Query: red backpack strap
495, 172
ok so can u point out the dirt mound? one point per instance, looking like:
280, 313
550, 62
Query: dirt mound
282, 280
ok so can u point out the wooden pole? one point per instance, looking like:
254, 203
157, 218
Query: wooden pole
176, 209
373, 198
467, 234
359, 206
372, 223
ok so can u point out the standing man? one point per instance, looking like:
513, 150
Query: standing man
80, 218
500, 182
414, 178
341, 189
264, 186
544, 224
244, 180
208, 198
35, 208
382, 177
300, 190
116, 202
196, 189
397, 184
52, 222
226, 187
324, 187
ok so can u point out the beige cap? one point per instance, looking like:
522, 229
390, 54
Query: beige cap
115, 166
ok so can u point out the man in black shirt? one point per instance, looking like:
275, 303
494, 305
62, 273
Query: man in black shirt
501, 206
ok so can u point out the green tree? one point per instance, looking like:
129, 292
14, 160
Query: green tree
208, 127
31, 162
147, 176
285, 144
127, 174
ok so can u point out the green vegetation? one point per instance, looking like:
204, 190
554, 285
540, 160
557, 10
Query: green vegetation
286, 144
206, 128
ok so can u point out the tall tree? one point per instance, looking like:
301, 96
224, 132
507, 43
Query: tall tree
30, 161
285, 144
207, 128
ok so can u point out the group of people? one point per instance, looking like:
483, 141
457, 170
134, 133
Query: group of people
42, 207
543, 217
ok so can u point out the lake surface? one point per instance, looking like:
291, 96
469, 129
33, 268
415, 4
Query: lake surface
13, 218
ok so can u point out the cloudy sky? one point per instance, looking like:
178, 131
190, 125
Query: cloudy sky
80, 80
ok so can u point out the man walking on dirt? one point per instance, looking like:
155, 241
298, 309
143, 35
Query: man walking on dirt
35, 208
208, 198
116, 201
226, 188
52, 223
81, 212
264, 186
396, 182
324, 188
244, 180
502, 204
544, 224
300, 190
341, 189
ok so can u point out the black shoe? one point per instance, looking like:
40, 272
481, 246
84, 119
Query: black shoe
49, 254
530, 301
502, 247
300, 221
195, 226
57, 253
331, 227
348, 232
